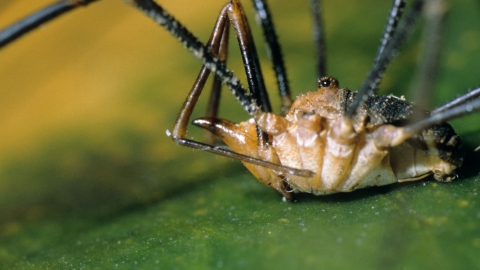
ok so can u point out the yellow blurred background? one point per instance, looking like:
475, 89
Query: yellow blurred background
86, 99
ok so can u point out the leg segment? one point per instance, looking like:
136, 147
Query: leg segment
435, 11
40, 17
251, 63
318, 38
221, 49
395, 15
263, 13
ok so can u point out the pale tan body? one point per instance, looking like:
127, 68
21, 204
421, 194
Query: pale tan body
343, 154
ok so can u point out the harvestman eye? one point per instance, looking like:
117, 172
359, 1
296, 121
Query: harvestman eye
328, 82
324, 83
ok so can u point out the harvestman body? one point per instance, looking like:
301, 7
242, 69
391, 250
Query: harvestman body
344, 155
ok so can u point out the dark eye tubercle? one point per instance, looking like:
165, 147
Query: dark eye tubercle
328, 82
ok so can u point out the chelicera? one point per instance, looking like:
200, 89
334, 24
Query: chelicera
327, 141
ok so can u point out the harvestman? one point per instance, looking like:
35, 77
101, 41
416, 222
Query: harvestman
332, 140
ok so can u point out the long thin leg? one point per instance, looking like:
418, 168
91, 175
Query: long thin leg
221, 49
214, 101
238, 19
318, 38
38, 18
253, 70
276, 55
249, 55
472, 95
251, 62
376, 73
435, 11
392, 23
446, 114
219, 34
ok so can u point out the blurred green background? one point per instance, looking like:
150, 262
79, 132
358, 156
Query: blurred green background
88, 178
